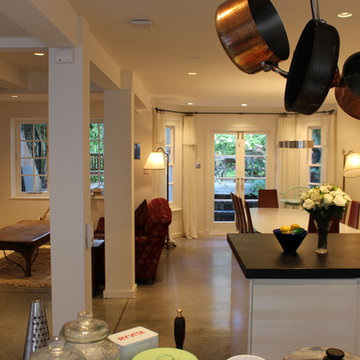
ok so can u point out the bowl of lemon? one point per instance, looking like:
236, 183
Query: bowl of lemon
290, 237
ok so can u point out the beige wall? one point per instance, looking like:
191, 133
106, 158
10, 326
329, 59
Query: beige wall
347, 138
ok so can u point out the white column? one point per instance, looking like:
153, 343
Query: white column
119, 194
69, 114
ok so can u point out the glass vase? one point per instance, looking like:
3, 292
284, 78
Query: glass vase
323, 228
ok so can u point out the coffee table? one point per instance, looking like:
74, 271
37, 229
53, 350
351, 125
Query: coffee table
25, 237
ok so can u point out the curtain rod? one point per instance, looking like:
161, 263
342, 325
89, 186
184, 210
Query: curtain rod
189, 113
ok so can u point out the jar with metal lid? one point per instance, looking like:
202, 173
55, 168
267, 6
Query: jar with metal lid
89, 335
320, 353
57, 349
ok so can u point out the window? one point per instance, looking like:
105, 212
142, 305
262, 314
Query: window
30, 157
96, 155
169, 148
315, 158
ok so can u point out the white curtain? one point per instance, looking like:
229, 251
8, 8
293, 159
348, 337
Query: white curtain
288, 160
328, 145
159, 178
292, 164
190, 203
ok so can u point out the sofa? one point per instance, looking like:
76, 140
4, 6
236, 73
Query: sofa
152, 222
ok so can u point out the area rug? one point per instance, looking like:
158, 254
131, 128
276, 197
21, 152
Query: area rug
11, 274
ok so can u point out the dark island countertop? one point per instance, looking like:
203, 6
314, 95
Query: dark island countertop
260, 256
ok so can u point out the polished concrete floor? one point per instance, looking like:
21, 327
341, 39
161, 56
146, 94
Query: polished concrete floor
199, 275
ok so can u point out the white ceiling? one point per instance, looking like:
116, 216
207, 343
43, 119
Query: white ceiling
183, 39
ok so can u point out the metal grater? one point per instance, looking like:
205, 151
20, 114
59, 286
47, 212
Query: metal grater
37, 335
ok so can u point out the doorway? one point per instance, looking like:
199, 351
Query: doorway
240, 166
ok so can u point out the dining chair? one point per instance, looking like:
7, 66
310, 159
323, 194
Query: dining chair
240, 221
334, 228
250, 227
353, 220
268, 198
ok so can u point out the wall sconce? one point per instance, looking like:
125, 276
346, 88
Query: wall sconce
351, 164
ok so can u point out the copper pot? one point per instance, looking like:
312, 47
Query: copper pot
347, 93
251, 33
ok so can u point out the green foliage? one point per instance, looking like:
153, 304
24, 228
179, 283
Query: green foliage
225, 144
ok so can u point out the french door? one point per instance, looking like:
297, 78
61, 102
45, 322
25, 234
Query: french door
240, 160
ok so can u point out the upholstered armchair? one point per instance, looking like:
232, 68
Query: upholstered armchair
151, 227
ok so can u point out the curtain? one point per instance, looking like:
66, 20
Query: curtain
158, 140
292, 164
288, 161
328, 145
190, 203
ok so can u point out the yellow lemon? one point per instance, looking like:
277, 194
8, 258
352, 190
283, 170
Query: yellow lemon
294, 226
285, 229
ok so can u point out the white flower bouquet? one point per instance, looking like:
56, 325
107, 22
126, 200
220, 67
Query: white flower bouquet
324, 201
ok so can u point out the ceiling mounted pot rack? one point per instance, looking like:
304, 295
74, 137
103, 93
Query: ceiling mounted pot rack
252, 34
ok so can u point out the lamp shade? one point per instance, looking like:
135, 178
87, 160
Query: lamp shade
155, 161
352, 165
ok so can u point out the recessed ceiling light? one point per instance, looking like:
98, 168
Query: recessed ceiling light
244, 105
190, 103
344, 14
39, 54
192, 73
14, 96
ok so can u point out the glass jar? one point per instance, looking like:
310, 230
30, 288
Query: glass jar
89, 335
320, 353
57, 349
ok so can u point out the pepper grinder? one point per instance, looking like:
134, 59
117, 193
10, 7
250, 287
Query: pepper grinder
179, 329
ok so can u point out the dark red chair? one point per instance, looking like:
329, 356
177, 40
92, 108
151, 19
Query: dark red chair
150, 239
334, 227
354, 214
268, 198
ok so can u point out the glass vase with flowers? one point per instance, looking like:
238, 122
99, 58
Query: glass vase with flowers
324, 202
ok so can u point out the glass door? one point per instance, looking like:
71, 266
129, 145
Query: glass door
239, 167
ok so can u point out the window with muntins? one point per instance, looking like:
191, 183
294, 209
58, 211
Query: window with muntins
315, 158
30, 157
169, 148
96, 155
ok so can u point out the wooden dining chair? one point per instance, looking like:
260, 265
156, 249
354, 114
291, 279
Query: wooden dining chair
334, 228
250, 227
353, 220
240, 221
268, 198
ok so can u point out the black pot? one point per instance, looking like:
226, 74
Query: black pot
313, 68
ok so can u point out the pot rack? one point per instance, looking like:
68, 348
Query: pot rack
347, 86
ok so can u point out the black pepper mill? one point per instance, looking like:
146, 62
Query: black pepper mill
179, 329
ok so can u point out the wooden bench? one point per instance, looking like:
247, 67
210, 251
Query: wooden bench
25, 237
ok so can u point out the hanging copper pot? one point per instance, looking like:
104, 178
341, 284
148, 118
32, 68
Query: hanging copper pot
251, 33
347, 93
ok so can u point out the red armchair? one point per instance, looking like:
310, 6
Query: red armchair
151, 227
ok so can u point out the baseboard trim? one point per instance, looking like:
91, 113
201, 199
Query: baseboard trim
120, 294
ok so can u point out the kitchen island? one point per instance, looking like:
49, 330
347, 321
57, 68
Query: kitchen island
302, 299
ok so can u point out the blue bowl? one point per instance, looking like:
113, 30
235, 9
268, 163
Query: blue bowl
289, 242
